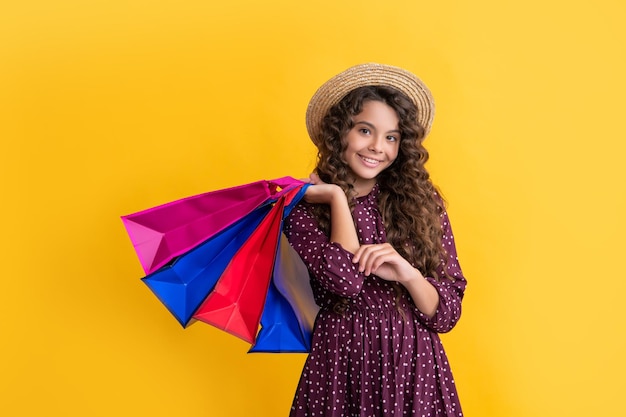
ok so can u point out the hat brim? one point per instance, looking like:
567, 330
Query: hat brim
371, 74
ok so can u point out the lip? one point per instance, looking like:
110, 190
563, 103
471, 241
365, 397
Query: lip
369, 162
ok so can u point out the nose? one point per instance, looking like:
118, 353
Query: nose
376, 145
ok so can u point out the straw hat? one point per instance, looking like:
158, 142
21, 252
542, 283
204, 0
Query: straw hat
333, 90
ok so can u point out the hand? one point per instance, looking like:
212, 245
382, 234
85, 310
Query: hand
320, 192
384, 261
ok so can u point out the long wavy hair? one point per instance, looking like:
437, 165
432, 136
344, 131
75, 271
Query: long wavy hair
410, 204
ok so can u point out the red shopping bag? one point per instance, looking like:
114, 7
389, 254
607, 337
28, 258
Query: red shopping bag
237, 302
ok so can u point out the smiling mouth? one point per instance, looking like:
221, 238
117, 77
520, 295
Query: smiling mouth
369, 161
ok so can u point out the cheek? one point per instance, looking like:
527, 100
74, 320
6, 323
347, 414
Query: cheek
345, 155
393, 152
351, 146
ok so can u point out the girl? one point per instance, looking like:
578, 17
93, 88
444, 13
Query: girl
378, 245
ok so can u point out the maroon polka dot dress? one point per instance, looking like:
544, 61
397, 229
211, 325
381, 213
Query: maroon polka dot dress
371, 361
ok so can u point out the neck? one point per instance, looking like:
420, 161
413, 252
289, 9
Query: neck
364, 187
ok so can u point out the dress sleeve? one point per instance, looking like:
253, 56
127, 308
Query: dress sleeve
450, 290
328, 263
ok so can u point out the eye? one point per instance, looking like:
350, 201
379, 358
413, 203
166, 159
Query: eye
364, 130
392, 138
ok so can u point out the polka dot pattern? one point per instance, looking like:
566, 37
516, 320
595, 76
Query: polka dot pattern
371, 361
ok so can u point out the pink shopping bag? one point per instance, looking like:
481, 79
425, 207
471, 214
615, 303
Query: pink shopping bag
161, 233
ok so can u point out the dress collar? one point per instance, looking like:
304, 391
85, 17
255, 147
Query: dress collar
371, 197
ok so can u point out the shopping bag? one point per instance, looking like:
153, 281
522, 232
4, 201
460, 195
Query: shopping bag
161, 233
251, 249
183, 284
236, 303
290, 309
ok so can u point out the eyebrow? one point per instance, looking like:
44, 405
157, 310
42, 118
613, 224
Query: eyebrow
374, 127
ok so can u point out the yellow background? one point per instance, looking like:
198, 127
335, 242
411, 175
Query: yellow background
108, 107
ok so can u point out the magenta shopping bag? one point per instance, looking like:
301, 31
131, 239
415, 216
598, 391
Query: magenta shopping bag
161, 233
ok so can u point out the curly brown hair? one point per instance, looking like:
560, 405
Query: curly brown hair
410, 204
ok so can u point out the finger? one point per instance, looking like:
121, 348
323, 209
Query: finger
359, 252
381, 257
361, 255
377, 259
378, 255
368, 258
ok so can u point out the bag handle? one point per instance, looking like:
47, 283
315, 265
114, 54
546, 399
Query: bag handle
280, 186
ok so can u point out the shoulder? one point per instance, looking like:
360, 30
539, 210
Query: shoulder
301, 215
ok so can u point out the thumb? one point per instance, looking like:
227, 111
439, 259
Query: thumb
314, 178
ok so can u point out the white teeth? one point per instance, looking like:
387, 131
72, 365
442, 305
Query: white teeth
371, 161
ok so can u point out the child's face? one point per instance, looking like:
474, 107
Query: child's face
373, 143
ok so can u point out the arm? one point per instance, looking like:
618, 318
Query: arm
438, 303
384, 261
342, 230
450, 291
328, 262
424, 294
328, 259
